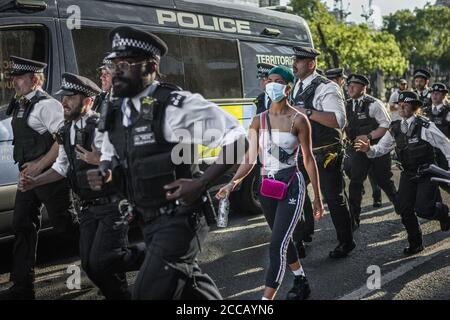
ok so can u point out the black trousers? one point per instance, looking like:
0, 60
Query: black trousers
170, 270
282, 217
418, 195
104, 251
332, 187
57, 200
305, 226
361, 165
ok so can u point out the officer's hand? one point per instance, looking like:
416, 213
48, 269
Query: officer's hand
363, 138
362, 146
26, 183
91, 157
32, 168
96, 179
318, 208
187, 191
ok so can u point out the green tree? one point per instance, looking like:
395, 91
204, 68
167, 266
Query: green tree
424, 35
357, 47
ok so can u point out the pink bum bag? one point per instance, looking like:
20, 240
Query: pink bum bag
272, 188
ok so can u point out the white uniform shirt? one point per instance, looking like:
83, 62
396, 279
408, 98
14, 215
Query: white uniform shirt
438, 109
432, 135
198, 121
327, 97
377, 111
61, 165
393, 99
47, 115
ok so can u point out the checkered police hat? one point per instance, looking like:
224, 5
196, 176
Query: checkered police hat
335, 73
305, 53
440, 87
358, 78
409, 97
263, 70
106, 64
73, 84
422, 73
128, 42
21, 66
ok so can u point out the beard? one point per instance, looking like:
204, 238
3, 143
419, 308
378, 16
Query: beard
73, 114
126, 88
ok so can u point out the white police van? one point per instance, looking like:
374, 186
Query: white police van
213, 49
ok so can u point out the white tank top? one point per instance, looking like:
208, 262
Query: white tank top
277, 153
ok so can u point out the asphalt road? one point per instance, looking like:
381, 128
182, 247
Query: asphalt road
237, 257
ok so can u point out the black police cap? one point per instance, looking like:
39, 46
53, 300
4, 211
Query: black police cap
422, 73
263, 69
129, 42
439, 87
106, 63
409, 97
305, 52
358, 78
21, 66
73, 84
335, 73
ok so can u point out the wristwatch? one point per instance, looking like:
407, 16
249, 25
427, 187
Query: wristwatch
308, 113
369, 137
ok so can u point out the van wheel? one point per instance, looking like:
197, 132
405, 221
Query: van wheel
245, 200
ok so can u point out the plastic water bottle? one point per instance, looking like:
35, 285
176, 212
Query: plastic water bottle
222, 216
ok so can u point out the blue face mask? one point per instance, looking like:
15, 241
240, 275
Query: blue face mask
275, 91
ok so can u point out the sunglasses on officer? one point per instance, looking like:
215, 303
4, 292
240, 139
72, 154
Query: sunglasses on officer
125, 65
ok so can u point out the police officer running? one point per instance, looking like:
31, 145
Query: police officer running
103, 237
367, 120
421, 81
36, 116
146, 124
263, 100
322, 102
414, 138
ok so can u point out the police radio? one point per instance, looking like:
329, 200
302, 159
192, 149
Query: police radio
105, 114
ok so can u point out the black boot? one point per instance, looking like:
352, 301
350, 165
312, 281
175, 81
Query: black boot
342, 250
300, 290
17, 293
413, 249
443, 217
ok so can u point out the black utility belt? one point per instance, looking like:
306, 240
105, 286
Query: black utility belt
100, 201
170, 209
333, 147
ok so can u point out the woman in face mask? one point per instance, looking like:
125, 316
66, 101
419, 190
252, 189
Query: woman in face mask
278, 134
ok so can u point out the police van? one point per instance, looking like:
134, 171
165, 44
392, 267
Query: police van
213, 49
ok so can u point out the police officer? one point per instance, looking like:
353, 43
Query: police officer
322, 102
367, 120
103, 238
147, 121
105, 76
263, 101
414, 138
338, 76
36, 116
393, 99
439, 111
421, 81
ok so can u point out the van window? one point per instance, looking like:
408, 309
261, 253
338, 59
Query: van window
89, 57
254, 53
212, 67
28, 43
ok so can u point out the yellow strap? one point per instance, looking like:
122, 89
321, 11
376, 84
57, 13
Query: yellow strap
323, 147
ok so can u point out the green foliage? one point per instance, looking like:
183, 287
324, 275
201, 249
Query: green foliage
424, 35
357, 47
